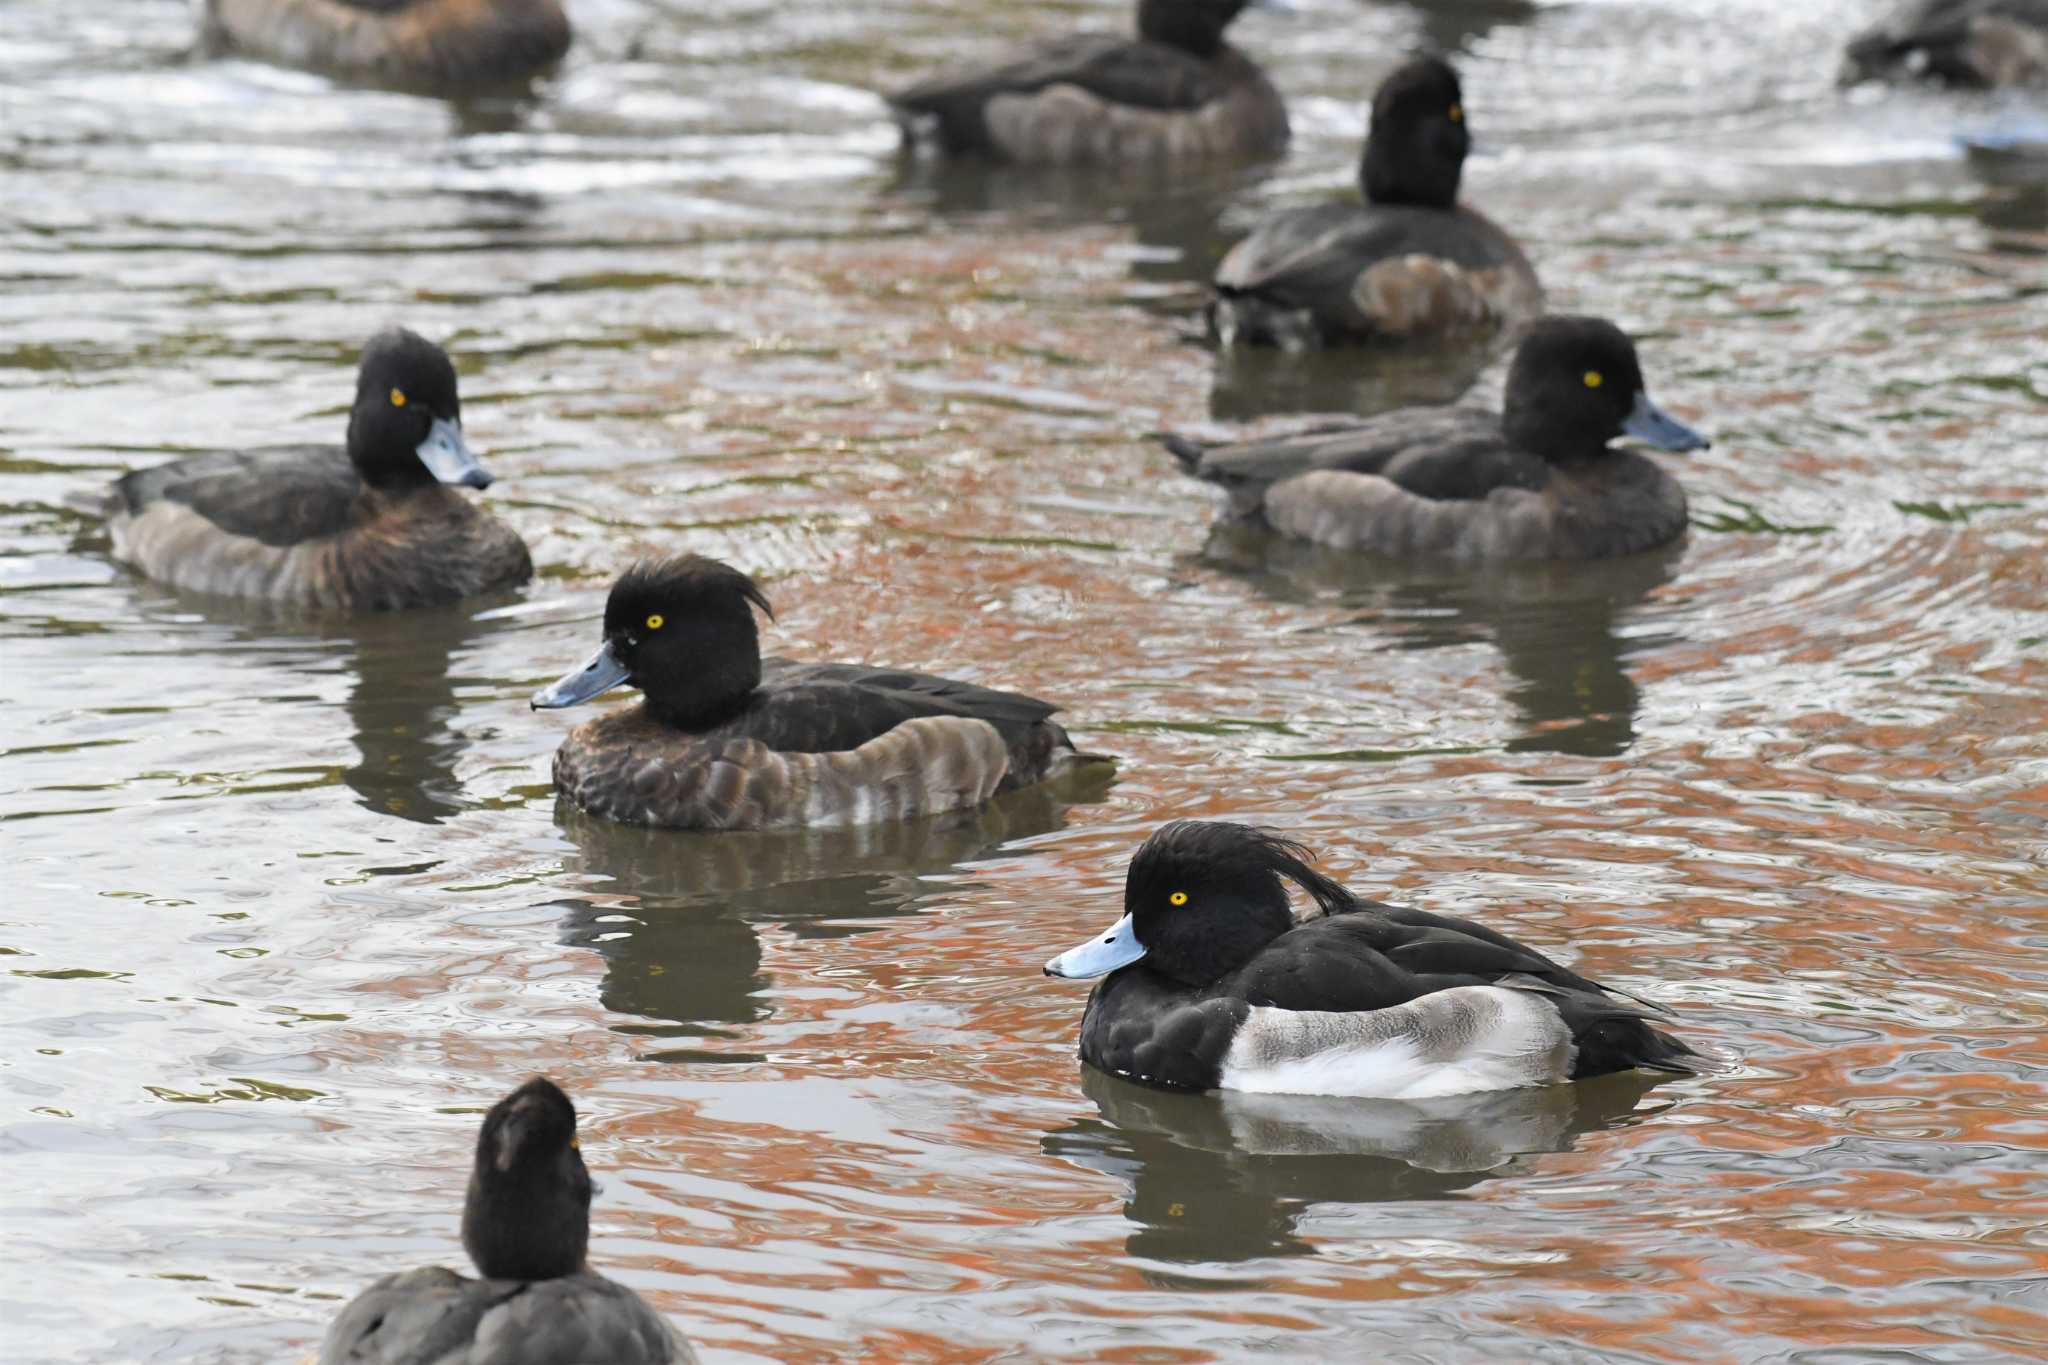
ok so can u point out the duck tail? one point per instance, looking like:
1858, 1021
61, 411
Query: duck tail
1613, 1034
1188, 452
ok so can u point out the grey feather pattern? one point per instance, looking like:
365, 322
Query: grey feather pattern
434, 1316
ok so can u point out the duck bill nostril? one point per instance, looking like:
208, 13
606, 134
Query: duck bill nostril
1098, 957
604, 672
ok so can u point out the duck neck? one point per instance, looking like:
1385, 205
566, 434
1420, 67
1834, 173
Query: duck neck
1190, 26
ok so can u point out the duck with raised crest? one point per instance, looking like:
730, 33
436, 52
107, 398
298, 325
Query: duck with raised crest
375, 525
724, 739
526, 1227
1177, 92
1409, 263
1537, 480
1212, 981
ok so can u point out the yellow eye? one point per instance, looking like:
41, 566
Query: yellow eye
1457, 113
1594, 379
575, 1144
398, 398
655, 621
1177, 898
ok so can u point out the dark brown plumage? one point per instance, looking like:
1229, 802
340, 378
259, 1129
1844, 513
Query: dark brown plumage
1409, 262
526, 1225
1979, 44
1177, 92
1535, 481
435, 44
369, 527
724, 739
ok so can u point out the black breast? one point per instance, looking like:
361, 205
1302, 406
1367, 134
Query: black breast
1147, 1028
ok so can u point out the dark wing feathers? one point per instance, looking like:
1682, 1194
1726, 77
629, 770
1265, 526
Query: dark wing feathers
433, 1316
1426, 442
282, 496
1305, 257
1118, 69
824, 708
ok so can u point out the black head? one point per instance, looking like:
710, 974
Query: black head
1416, 149
684, 630
1192, 25
1204, 896
527, 1216
407, 413
1575, 385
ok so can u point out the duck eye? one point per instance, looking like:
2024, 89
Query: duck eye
1594, 379
655, 621
1457, 113
575, 1144
1178, 898
398, 398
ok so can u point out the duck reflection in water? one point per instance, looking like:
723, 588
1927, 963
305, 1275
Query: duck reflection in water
676, 919
1227, 1176
402, 705
1561, 626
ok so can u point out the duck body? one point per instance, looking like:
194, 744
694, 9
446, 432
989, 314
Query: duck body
418, 43
1227, 991
526, 1227
727, 740
1978, 44
1176, 92
298, 526
1408, 263
370, 526
1349, 273
1536, 481
434, 1316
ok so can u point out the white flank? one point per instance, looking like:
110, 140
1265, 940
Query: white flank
1453, 1042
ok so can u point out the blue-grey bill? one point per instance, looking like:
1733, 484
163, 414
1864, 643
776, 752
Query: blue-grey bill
448, 457
601, 674
1099, 956
1651, 424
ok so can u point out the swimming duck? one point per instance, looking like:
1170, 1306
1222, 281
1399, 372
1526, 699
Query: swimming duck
1409, 262
724, 739
1534, 481
1178, 92
421, 43
526, 1227
1212, 983
372, 526
1976, 43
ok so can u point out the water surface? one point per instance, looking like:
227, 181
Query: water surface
290, 903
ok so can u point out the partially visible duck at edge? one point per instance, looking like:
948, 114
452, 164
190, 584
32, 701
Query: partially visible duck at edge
1537, 480
724, 739
526, 1226
1410, 263
1178, 92
1213, 981
1975, 44
431, 44
370, 526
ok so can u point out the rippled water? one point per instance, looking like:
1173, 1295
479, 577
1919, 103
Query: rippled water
288, 903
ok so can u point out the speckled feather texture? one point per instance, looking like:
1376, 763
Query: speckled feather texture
437, 1317
404, 41
1067, 125
1347, 272
626, 766
373, 553
1618, 505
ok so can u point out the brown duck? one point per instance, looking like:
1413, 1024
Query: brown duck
724, 739
414, 43
1177, 92
1409, 263
372, 526
526, 1226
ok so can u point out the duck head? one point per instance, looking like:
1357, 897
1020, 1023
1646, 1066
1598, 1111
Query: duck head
1192, 25
1575, 385
405, 430
1201, 898
1415, 152
682, 631
527, 1216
